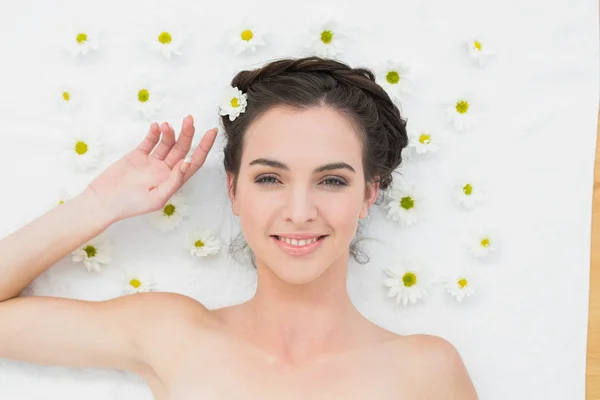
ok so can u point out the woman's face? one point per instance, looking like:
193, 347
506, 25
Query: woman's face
280, 190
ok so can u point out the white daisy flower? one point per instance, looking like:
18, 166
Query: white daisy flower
171, 215
404, 204
145, 95
82, 149
478, 50
94, 253
233, 102
203, 242
61, 197
166, 34
139, 281
395, 77
67, 97
325, 38
481, 243
423, 141
407, 281
244, 37
468, 193
459, 285
81, 39
462, 112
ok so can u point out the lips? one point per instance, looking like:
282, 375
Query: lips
299, 250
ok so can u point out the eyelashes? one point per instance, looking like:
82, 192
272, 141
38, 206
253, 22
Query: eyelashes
261, 180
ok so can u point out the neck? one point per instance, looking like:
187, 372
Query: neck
300, 322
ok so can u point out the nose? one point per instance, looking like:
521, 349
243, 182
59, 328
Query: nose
300, 205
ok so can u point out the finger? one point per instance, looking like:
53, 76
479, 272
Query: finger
199, 155
168, 140
166, 189
150, 140
184, 141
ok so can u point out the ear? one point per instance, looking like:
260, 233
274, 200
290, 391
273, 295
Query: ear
230, 193
371, 193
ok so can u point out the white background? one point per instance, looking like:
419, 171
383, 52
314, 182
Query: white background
524, 334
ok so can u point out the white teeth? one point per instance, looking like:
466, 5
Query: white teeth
298, 243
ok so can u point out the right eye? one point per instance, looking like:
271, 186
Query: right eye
262, 180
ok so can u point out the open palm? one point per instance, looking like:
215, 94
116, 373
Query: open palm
146, 177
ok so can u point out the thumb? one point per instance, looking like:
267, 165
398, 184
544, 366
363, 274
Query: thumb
165, 190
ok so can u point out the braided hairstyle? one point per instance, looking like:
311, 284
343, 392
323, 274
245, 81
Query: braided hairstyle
302, 83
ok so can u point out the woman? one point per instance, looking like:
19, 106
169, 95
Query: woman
305, 161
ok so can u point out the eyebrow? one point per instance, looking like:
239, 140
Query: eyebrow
280, 165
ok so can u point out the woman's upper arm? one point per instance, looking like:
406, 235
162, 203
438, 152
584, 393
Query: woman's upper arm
66, 332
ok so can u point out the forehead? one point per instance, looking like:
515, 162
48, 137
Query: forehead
303, 137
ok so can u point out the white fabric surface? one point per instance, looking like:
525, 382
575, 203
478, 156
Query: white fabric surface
523, 336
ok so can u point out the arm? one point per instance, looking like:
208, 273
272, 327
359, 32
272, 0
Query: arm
55, 234
117, 333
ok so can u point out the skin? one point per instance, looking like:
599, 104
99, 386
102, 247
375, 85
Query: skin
300, 336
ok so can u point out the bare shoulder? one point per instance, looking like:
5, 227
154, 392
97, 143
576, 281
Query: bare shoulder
437, 361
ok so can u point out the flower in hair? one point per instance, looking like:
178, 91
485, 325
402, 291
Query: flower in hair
233, 102
478, 50
468, 193
458, 285
81, 39
395, 77
94, 253
171, 215
325, 38
462, 112
166, 35
407, 281
245, 38
203, 242
404, 205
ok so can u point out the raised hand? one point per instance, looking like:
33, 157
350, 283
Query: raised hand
146, 177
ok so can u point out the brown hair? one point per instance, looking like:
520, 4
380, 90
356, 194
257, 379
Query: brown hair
307, 82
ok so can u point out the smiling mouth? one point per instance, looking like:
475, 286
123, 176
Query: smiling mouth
318, 237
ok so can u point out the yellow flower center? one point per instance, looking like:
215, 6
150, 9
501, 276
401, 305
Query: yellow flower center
81, 148
477, 45
66, 96
485, 242
235, 102
165, 38
392, 77
326, 37
409, 279
425, 138
247, 35
90, 251
199, 243
61, 202
462, 106
468, 189
407, 202
135, 283
169, 209
462, 282
81, 38
143, 95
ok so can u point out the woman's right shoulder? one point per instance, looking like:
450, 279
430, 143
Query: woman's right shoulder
170, 305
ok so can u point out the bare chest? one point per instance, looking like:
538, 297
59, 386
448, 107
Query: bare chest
231, 373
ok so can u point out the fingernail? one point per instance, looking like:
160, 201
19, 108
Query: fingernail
191, 118
186, 164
